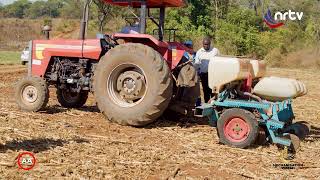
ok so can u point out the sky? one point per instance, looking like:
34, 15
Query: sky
5, 2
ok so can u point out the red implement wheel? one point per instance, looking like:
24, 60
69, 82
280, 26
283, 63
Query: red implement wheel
237, 128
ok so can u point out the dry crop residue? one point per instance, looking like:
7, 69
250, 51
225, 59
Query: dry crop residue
80, 143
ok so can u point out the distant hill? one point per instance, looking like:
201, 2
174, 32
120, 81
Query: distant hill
15, 33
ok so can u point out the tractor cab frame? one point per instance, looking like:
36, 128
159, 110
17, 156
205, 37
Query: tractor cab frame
145, 14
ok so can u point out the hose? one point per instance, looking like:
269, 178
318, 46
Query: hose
250, 95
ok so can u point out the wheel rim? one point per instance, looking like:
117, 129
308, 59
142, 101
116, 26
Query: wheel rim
127, 85
236, 130
29, 94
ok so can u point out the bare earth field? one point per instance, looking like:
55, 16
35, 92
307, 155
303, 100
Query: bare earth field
80, 143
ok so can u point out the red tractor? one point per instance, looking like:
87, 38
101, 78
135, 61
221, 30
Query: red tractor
133, 82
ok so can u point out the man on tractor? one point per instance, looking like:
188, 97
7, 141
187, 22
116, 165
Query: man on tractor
132, 29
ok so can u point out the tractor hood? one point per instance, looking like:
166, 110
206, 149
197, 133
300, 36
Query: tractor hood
150, 3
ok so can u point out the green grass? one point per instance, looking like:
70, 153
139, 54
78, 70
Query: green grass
10, 57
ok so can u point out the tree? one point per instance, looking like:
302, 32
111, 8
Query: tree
16, 9
71, 9
104, 11
48, 8
238, 33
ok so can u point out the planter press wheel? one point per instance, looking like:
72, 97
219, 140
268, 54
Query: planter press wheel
300, 129
237, 128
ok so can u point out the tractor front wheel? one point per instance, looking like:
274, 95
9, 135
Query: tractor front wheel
32, 94
71, 99
237, 128
132, 85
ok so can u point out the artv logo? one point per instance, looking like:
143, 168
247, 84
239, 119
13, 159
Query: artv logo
273, 22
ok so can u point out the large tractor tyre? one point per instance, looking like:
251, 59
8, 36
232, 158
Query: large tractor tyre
237, 128
71, 99
32, 94
132, 85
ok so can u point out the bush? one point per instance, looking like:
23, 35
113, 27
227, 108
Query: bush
274, 58
239, 33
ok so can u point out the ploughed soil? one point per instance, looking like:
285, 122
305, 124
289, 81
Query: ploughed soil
81, 143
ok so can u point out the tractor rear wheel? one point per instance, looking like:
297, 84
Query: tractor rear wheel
32, 94
237, 128
71, 99
132, 85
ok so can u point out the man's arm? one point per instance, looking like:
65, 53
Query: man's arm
197, 62
216, 52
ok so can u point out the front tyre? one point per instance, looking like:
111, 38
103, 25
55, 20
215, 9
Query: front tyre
132, 85
32, 94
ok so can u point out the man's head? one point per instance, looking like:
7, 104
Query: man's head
206, 43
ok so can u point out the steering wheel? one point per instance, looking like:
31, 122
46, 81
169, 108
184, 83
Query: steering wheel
112, 42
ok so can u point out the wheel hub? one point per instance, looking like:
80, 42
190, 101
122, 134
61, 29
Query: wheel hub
131, 85
236, 130
30, 94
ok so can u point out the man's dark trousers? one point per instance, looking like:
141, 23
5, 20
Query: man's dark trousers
207, 92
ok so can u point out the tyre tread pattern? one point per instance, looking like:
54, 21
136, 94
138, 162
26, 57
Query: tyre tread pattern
164, 94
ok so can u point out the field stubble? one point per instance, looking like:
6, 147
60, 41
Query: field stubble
75, 143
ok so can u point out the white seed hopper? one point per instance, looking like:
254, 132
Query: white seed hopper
224, 70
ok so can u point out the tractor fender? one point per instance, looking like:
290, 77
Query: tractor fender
187, 76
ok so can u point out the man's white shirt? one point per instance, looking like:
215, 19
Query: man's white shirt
203, 57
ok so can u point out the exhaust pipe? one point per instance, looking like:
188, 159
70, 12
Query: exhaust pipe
85, 19
46, 29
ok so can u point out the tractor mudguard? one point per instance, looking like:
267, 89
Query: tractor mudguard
173, 52
187, 76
